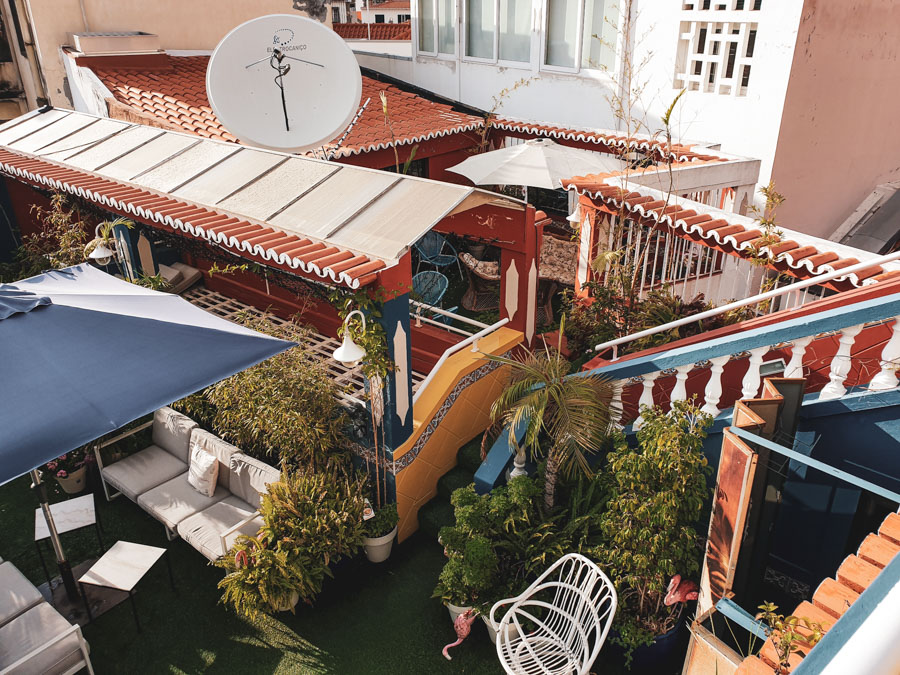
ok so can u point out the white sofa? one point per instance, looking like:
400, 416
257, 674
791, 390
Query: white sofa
34, 637
157, 479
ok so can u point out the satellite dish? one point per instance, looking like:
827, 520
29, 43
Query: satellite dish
284, 82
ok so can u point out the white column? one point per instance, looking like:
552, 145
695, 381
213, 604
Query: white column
646, 397
794, 368
679, 391
713, 392
890, 361
840, 364
750, 384
615, 405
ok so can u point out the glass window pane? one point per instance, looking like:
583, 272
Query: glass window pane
598, 47
515, 30
446, 38
562, 30
426, 25
480, 28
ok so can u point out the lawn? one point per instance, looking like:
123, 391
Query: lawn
369, 619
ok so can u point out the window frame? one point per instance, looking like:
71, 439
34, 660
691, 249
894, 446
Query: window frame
463, 40
437, 53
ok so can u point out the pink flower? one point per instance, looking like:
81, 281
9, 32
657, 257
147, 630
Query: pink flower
52, 466
61, 473
62, 458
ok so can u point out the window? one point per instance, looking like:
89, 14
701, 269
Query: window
480, 28
446, 32
379, 18
403, 18
515, 31
426, 26
598, 43
562, 33
335, 15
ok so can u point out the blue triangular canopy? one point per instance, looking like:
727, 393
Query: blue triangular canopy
83, 353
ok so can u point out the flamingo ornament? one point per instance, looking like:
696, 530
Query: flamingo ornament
463, 626
680, 590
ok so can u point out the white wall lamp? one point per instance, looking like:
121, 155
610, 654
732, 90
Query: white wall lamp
350, 353
101, 253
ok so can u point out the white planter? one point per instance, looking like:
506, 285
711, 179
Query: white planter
455, 610
378, 549
288, 604
492, 632
74, 482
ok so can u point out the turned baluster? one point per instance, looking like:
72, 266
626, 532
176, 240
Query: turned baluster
840, 364
751, 381
890, 361
794, 368
713, 392
615, 404
646, 397
679, 391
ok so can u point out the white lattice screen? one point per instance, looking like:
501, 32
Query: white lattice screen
716, 45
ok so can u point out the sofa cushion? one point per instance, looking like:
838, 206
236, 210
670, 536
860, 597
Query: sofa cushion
250, 476
203, 471
143, 471
170, 275
31, 630
175, 500
172, 431
203, 530
220, 449
17, 594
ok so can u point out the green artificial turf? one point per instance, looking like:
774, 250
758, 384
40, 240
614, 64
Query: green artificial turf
369, 618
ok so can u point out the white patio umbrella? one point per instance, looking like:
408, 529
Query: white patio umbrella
537, 163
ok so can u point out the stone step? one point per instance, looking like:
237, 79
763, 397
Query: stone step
834, 598
434, 515
469, 455
455, 478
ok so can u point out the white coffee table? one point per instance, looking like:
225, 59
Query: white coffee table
72, 514
121, 568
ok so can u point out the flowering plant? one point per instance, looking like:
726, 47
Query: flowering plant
64, 465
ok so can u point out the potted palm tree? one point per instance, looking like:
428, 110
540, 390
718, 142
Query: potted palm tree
565, 417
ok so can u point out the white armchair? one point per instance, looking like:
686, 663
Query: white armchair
558, 625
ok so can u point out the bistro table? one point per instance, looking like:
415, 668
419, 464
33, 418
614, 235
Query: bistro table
72, 514
121, 568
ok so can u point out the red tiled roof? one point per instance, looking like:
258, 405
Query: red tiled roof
801, 255
175, 96
284, 250
389, 4
373, 31
615, 143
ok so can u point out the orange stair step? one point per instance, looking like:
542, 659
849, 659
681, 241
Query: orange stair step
856, 573
878, 550
834, 598
890, 528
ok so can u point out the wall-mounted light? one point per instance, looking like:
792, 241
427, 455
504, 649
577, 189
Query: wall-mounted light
350, 353
101, 253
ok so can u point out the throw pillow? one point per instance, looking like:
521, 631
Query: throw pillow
204, 471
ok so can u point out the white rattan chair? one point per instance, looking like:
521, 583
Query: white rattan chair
558, 625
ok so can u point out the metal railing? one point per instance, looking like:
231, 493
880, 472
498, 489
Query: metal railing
762, 297
421, 318
471, 340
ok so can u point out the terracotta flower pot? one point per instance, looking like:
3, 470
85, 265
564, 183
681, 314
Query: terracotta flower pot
74, 482
378, 549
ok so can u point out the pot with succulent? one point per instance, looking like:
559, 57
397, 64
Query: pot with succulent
70, 470
380, 529
657, 492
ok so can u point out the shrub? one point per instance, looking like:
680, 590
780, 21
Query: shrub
311, 520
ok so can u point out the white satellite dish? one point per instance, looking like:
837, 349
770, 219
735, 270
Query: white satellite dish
284, 82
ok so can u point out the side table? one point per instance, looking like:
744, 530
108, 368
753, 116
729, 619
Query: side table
72, 514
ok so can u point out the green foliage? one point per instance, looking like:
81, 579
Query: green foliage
384, 520
656, 497
571, 413
785, 633
285, 407
766, 218
311, 520
377, 363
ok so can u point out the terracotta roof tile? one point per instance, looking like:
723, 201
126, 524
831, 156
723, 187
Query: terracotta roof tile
176, 96
373, 31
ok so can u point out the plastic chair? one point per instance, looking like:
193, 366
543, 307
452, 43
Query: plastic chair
429, 287
559, 623
431, 252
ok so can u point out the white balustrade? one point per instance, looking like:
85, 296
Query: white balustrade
890, 361
679, 391
794, 368
713, 392
646, 397
615, 405
752, 379
840, 364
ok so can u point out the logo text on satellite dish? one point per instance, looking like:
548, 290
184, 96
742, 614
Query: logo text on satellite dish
282, 39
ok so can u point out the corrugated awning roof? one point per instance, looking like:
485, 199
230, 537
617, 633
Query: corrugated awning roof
339, 222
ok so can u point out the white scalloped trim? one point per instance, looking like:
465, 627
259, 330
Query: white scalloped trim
186, 226
359, 149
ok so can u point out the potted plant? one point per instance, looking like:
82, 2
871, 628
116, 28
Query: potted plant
310, 520
70, 470
380, 531
657, 492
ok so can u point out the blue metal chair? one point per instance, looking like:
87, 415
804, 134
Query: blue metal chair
429, 287
431, 252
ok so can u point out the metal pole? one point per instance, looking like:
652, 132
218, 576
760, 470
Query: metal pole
65, 570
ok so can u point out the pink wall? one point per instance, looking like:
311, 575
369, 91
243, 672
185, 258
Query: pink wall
840, 134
